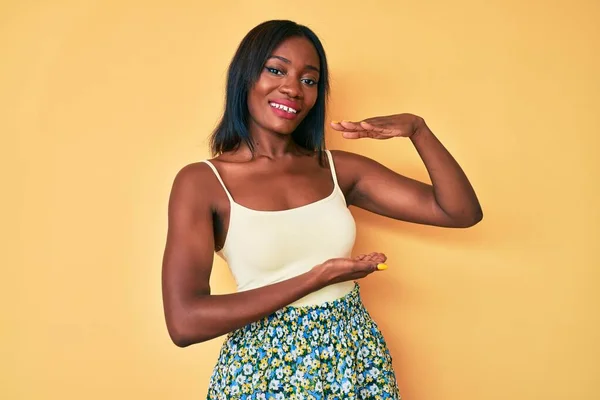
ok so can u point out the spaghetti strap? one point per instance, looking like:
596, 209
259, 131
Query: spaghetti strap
219, 178
332, 168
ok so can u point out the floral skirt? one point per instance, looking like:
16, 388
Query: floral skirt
330, 351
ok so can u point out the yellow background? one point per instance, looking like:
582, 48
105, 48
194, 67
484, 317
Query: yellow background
102, 102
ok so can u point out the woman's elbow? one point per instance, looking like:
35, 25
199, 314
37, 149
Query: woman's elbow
478, 216
182, 335
472, 220
180, 339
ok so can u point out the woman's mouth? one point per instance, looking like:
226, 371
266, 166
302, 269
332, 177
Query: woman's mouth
283, 111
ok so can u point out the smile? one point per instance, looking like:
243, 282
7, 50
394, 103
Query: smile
287, 109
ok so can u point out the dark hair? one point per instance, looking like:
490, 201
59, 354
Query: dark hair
245, 69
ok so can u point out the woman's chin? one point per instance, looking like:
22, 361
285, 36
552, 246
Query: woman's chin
284, 130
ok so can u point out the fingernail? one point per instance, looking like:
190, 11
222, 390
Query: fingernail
382, 267
335, 122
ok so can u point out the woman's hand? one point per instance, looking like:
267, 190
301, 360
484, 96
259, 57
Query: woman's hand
338, 270
390, 126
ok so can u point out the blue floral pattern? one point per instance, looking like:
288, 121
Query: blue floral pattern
331, 351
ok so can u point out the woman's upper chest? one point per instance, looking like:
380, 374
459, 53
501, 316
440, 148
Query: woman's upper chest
272, 186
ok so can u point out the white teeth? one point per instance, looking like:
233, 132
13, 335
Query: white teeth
284, 108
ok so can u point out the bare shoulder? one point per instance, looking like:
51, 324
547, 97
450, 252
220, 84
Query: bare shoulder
193, 183
347, 156
193, 176
346, 162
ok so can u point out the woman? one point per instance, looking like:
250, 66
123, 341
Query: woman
274, 205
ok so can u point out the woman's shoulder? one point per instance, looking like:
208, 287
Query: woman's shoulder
193, 172
195, 179
203, 176
235, 156
201, 171
346, 159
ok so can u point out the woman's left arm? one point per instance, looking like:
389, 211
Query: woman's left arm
450, 201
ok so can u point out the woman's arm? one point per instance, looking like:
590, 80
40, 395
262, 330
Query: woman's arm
450, 201
192, 314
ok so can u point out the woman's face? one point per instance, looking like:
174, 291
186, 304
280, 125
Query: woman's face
286, 89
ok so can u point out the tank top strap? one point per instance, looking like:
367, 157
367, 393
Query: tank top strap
211, 165
332, 168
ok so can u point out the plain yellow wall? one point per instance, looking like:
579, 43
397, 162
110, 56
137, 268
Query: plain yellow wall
101, 103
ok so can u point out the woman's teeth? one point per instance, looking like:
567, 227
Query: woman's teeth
284, 108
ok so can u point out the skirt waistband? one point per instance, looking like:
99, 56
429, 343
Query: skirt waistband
329, 313
351, 298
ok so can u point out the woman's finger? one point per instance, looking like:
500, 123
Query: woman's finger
336, 125
353, 135
378, 121
381, 257
381, 129
352, 126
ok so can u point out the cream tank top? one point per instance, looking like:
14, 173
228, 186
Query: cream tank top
265, 247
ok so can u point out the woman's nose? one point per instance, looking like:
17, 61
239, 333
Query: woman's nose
291, 87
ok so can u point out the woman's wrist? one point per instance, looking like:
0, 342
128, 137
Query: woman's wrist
420, 129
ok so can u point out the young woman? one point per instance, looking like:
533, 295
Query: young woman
274, 205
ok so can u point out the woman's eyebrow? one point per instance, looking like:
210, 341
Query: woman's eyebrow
285, 60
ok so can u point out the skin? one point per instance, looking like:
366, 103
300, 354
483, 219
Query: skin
287, 177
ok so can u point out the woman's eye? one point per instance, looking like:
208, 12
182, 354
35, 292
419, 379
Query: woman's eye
274, 71
309, 82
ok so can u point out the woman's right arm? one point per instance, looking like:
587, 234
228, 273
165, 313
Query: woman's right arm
192, 314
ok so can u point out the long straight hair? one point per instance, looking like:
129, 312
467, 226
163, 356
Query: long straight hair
245, 69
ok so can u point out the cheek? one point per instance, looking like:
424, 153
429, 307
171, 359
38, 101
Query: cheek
310, 99
254, 99
262, 86
258, 94
252, 102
